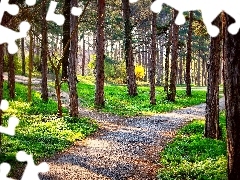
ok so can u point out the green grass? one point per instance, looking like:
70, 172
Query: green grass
191, 156
40, 132
118, 102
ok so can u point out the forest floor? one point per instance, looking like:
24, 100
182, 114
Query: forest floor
122, 148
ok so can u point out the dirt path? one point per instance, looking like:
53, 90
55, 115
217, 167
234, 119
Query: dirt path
123, 148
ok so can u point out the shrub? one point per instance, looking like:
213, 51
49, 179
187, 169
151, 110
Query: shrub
139, 72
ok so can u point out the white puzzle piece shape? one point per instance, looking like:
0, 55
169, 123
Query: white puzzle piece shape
31, 171
51, 16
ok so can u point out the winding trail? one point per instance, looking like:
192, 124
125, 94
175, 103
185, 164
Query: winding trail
122, 148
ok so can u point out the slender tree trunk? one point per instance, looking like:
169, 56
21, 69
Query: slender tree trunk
131, 77
30, 66
212, 129
189, 56
66, 37
232, 100
99, 94
73, 97
23, 57
153, 61
166, 83
83, 57
11, 76
44, 53
173, 76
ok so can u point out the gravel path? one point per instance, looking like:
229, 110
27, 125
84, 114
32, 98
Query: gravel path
122, 148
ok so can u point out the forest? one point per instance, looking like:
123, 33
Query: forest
112, 90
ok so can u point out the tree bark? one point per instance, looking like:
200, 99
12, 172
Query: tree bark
189, 56
173, 76
99, 94
30, 66
1, 86
73, 97
232, 100
83, 57
66, 37
11, 76
212, 129
44, 54
23, 57
153, 61
131, 77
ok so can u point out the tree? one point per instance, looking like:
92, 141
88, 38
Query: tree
189, 56
232, 100
11, 75
73, 97
44, 53
128, 50
212, 129
99, 94
66, 37
30, 66
23, 57
173, 76
153, 60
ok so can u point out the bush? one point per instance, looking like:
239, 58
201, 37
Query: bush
139, 72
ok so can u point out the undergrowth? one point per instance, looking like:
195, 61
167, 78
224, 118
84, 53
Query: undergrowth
191, 156
40, 132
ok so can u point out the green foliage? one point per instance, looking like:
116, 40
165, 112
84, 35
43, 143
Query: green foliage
114, 70
191, 156
139, 72
40, 131
118, 102
17, 64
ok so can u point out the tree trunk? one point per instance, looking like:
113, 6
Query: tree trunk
212, 101
232, 100
153, 61
30, 66
11, 76
83, 57
73, 97
1, 86
131, 77
23, 57
189, 56
166, 83
66, 37
173, 76
99, 94
44, 54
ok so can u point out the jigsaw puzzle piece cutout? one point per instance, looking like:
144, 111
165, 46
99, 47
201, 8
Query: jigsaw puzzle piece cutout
76, 11
30, 2
12, 9
9, 36
51, 16
31, 171
4, 171
4, 105
12, 124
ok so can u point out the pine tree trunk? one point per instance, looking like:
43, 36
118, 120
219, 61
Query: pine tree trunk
83, 57
153, 61
11, 76
73, 97
30, 67
173, 76
1, 87
66, 37
99, 94
44, 54
131, 77
212, 101
232, 101
189, 56
23, 57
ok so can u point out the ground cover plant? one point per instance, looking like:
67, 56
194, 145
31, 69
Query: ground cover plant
40, 132
118, 102
191, 156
